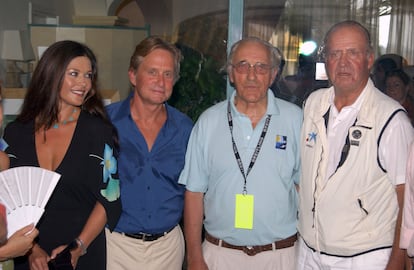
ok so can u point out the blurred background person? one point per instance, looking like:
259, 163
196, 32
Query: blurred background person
384, 64
397, 86
407, 227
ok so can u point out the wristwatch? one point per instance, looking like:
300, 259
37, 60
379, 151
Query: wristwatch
78, 243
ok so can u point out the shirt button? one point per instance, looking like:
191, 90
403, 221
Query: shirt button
248, 137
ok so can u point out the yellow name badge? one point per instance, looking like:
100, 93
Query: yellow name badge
243, 218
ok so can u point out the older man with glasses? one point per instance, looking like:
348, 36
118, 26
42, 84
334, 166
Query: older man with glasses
241, 170
355, 141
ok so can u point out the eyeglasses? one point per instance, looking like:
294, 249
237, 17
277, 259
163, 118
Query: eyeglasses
243, 67
351, 54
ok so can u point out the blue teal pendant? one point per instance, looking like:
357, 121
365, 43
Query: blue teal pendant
70, 119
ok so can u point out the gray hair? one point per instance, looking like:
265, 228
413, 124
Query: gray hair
348, 23
275, 54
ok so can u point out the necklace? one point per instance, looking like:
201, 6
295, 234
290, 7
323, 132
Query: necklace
64, 122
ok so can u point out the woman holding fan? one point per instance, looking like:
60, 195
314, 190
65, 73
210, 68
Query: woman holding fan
21, 241
63, 127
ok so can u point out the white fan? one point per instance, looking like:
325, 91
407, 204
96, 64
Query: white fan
24, 191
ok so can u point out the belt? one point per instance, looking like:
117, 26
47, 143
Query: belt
147, 237
253, 250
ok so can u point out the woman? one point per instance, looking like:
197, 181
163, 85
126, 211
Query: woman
397, 85
17, 245
22, 240
63, 127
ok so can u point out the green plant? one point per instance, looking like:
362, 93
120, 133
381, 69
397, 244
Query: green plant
201, 83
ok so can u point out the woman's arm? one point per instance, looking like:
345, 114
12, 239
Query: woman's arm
94, 225
19, 243
4, 161
3, 225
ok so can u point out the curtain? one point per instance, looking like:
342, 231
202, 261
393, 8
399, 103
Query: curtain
401, 38
309, 20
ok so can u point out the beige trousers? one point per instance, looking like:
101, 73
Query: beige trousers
221, 258
126, 253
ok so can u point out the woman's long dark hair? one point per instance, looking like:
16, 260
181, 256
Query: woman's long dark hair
41, 102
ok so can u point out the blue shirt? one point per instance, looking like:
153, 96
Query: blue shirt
152, 199
211, 168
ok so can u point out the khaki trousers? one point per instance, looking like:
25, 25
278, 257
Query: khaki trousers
221, 258
126, 253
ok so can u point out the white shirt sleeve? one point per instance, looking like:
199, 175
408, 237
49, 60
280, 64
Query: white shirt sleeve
394, 147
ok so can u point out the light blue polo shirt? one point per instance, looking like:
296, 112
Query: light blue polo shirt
211, 168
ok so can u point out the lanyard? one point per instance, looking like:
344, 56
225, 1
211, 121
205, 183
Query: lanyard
256, 151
